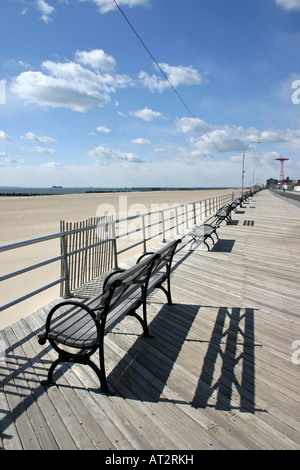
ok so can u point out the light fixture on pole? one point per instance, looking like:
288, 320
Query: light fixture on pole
243, 171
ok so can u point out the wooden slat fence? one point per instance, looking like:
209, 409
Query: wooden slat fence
90, 252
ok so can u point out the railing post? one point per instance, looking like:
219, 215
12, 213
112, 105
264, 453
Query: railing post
186, 216
114, 242
176, 216
144, 233
64, 251
163, 225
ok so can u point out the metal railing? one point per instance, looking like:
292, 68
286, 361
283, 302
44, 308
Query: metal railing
157, 225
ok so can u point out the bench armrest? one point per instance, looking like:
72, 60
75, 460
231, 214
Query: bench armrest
44, 336
143, 255
212, 226
109, 276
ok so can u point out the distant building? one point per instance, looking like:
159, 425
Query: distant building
287, 181
271, 182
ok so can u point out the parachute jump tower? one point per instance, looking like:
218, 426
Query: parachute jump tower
282, 160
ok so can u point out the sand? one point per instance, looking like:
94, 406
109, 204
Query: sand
24, 218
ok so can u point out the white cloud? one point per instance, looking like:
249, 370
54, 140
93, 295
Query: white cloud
221, 139
106, 153
35, 87
35, 138
45, 9
38, 149
213, 138
96, 59
10, 158
53, 165
103, 129
25, 65
141, 141
178, 75
191, 125
289, 4
146, 114
108, 5
272, 136
235, 138
75, 73
4, 136
68, 85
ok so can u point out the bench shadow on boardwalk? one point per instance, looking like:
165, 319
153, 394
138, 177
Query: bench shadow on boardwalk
150, 370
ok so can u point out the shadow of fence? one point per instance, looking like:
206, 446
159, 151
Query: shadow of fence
232, 346
226, 370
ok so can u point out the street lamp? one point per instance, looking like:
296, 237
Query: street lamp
243, 171
259, 164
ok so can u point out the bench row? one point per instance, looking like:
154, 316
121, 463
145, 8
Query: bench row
209, 228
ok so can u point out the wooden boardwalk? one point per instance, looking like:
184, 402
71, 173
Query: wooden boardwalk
221, 372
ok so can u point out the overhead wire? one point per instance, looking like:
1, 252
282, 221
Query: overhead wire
167, 78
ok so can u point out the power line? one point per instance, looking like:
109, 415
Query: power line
166, 77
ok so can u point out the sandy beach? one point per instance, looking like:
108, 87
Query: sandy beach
24, 218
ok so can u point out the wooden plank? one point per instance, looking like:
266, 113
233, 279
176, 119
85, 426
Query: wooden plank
115, 436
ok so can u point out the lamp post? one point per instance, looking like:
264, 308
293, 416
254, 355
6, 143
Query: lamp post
243, 171
259, 164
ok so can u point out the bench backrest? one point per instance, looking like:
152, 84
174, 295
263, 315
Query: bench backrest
165, 257
129, 288
125, 290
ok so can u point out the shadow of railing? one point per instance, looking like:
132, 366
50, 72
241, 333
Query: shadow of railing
230, 347
143, 371
227, 376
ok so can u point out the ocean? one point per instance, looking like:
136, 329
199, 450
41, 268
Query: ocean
20, 191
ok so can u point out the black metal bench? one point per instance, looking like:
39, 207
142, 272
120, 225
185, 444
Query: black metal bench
224, 213
209, 228
76, 330
204, 232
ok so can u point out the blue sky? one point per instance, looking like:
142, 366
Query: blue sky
82, 102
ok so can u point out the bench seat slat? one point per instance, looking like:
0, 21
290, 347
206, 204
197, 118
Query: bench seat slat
74, 333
